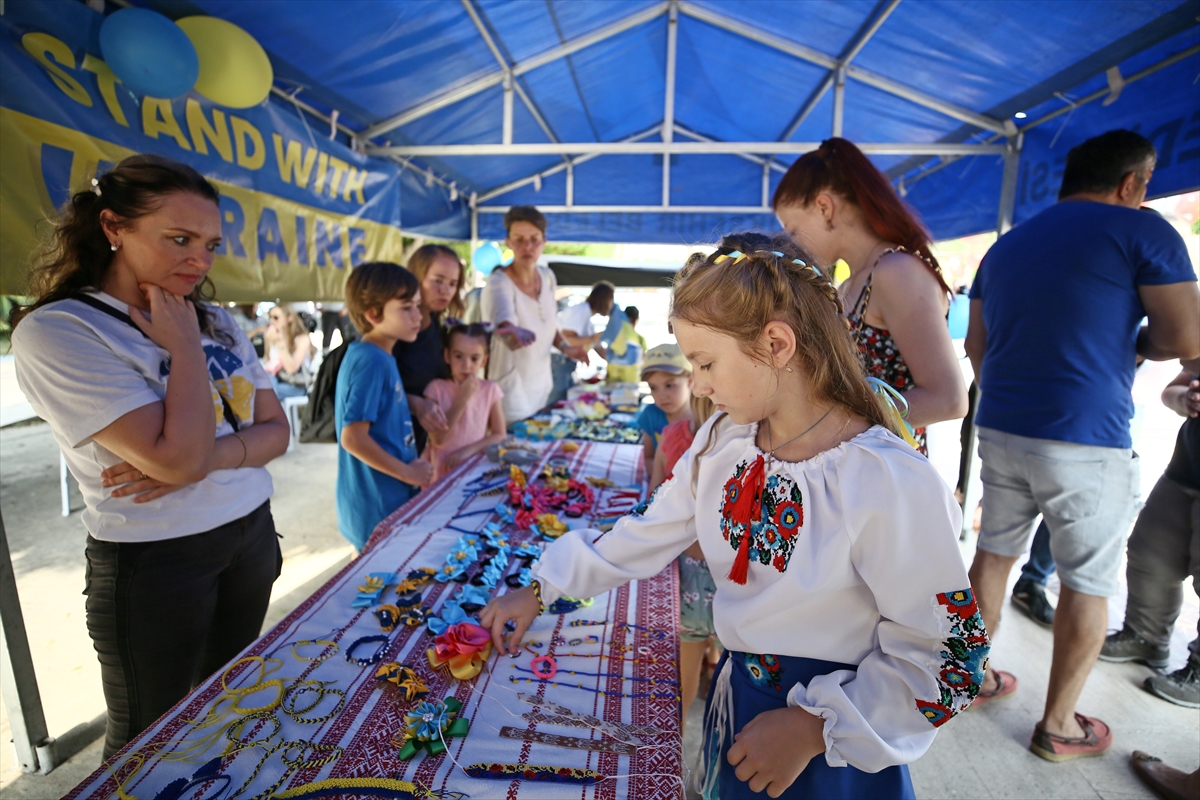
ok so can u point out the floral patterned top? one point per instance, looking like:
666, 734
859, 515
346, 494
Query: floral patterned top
879, 353
850, 556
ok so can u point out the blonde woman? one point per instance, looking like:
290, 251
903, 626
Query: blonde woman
289, 352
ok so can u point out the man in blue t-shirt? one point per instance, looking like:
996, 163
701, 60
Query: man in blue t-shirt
1054, 335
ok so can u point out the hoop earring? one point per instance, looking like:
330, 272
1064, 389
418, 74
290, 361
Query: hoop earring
828, 225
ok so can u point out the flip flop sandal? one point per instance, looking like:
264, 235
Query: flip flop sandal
1006, 684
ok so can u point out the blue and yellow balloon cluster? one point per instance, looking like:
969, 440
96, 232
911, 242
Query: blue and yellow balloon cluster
156, 57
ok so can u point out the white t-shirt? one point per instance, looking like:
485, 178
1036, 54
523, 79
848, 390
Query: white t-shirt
577, 318
524, 375
82, 369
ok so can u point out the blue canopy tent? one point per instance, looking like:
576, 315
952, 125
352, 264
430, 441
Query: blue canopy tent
641, 120
624, 120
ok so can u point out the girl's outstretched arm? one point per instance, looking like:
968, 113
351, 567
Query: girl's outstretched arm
586, 562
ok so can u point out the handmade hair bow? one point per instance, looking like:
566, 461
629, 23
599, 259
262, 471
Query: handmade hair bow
429, 725
464, 647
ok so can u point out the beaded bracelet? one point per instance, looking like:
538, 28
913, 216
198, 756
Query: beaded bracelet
317, 659
651, 695
553, 669
375, 657
536, 585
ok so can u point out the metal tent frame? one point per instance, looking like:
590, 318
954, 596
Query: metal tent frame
1006, 137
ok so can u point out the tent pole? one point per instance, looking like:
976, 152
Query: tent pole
570, 183
671, 147
507, 124
839, 100
668, 126
474, 235
972, 486
1008, 185
18, 681
486, 82
546, 173
883, 11
797, 50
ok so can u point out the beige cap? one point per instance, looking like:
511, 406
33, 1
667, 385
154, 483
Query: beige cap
665, 358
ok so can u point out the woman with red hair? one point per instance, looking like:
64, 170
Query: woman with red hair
837, 205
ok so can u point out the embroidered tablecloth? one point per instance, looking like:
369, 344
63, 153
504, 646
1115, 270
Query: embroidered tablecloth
357, 742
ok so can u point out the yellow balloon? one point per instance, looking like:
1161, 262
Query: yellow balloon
234, 69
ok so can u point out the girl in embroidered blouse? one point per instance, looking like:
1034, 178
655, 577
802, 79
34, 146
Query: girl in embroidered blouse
843, 603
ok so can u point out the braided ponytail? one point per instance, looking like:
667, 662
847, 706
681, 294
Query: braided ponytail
753, 279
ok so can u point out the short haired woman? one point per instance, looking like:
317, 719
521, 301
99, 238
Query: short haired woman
519, 300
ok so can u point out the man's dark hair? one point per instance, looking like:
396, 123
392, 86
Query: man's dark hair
602, 294
528, 214
632, 314
1100, 164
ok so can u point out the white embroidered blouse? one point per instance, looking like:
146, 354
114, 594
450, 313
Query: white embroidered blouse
854, 559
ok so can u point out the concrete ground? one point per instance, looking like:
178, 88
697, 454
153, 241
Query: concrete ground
982, 754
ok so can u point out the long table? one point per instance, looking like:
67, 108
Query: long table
357, 747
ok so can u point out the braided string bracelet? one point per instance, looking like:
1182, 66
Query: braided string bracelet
556, 669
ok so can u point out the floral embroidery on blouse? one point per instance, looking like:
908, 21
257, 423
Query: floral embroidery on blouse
763, 669
773, 534
964, 658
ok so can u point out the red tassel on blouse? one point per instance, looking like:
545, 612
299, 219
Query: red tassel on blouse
746, 509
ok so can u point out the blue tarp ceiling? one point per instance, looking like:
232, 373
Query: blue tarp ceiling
951, 71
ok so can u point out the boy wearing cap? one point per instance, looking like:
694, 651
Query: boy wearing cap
670, 377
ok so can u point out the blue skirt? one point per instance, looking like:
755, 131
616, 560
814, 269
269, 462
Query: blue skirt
761, 683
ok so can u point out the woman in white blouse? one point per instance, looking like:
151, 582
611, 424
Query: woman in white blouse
519, 301
851, 629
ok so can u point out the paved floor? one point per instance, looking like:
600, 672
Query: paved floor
982, 754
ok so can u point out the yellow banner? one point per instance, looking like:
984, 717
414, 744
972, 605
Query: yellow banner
274, 248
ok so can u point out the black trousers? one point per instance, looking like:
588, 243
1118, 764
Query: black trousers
164, 615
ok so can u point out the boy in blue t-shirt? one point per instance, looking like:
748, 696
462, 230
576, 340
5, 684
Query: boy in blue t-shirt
670, 378
378, 468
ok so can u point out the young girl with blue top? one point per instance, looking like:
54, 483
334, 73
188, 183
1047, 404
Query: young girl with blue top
851, 630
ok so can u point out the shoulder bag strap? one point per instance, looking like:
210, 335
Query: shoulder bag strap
100, 305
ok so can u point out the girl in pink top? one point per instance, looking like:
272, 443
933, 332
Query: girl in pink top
472, 405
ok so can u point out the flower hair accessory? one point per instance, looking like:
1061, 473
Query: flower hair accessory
429, 725
464, 647
412, 687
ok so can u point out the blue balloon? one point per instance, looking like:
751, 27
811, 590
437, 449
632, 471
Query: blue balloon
149, 53
487, 258
960, 312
